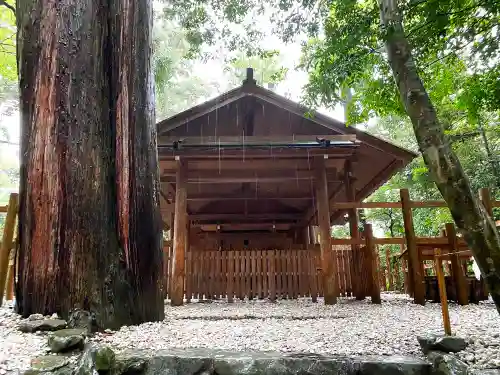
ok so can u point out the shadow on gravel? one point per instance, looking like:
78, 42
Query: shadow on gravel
256, 317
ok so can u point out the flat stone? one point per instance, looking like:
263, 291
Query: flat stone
447, 364
49, 364
446, 344
67, 339
30, 326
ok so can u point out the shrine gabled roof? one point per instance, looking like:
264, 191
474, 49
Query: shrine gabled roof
254, 111
247, 89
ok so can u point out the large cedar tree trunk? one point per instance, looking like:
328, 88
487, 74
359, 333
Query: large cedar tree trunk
468, 213
89, 225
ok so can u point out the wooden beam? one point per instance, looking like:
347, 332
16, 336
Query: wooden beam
251, 197
244, 173
180, 236
456, 269
239, 177
327, 265
255, 140
250, 164
416, 277
240, 216
243, 226
243, 154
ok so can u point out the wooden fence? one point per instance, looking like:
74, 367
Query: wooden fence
7, 249
251, 273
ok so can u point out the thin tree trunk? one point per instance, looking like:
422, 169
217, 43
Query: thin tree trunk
469, 214
89, 225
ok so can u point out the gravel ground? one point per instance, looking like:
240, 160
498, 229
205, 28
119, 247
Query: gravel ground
350, 328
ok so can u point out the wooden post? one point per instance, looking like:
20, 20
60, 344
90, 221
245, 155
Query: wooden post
327, 265
458, 273
413, 255
382, 282
438, 267
180, 236
389, 268
397, 275
356, 272
7, 241
188, 287
406, 276
230, 277
272, 275
10, 283
371, 256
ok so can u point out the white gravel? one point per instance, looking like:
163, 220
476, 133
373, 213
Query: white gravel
350, 328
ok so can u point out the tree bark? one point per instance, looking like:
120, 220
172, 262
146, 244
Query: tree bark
89, 224
468, 213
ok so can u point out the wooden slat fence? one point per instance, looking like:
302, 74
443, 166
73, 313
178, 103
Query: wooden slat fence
258, 274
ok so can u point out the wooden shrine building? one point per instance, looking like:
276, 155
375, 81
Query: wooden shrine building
244, 178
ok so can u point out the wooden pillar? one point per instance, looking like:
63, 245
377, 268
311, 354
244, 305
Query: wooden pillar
188, 286
407, 283
356, 268
371, 256
414, 264
327, 266
7, 241
397, 275
11, 274
456, 268
389, 268
180, 236
167, 259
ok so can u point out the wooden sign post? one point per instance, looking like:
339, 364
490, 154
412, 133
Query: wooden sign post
442, 291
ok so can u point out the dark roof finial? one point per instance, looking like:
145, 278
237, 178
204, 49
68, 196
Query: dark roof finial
249, 79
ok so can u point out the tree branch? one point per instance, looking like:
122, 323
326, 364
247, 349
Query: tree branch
4, 3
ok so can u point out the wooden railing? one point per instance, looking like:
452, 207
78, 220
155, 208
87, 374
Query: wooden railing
421, 249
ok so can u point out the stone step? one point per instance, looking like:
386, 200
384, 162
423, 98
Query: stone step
217, 362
